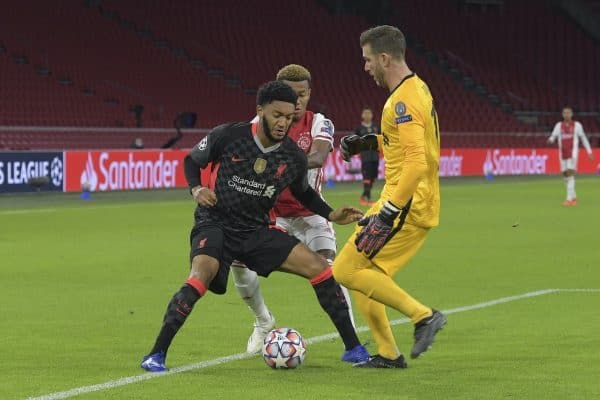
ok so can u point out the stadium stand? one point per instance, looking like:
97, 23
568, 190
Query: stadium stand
171, 59
340, 87
540, 59
112, 62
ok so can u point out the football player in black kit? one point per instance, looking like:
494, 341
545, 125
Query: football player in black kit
251, 165
369, 158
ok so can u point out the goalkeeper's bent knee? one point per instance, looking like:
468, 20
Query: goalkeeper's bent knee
343, 275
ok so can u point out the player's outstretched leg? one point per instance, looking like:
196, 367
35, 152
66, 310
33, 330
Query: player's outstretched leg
383, 289
247, 285
388, 354
356, 272
301, 261
333, 302
329, 256
179, 308
204, 269
346, 294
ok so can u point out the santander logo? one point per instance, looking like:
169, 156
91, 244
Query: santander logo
89, 177
124, 170
451, 165
514, 162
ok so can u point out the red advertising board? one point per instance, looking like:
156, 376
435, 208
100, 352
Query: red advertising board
150, 169
124, 169
476, 162
506, 161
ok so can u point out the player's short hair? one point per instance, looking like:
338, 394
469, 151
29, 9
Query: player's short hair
294, 73
567, 107
385, 39
275, 91
365, 108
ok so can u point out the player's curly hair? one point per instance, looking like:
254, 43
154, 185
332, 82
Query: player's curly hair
294, 73
275, 91
385, 39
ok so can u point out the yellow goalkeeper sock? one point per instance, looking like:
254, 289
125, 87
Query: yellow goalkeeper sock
376, 317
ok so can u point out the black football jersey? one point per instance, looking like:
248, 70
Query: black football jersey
246, 177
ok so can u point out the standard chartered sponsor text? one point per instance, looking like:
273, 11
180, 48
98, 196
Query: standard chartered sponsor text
247, 186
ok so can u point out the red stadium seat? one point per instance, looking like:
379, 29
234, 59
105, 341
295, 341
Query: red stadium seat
173, 59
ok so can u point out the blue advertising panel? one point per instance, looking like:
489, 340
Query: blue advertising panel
18, 170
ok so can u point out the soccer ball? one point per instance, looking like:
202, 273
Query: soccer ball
284, 348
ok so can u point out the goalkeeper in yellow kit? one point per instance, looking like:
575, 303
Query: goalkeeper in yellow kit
396, 226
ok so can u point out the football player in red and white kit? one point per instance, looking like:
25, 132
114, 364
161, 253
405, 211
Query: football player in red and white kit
314, 134
569, 133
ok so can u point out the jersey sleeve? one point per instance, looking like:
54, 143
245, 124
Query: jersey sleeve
322, 129
584, 141
209, 149
555, 133
410, 127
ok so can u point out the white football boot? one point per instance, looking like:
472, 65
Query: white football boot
256, 340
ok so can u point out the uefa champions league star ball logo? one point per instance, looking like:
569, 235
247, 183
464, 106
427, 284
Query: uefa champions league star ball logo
203, 143
56, 171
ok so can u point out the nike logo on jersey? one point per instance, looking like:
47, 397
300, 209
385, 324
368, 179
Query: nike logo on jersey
236, 158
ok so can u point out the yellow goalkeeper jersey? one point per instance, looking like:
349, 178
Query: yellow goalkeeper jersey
410, 142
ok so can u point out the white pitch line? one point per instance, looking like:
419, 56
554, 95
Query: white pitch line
243, 356
27, 211
86, 207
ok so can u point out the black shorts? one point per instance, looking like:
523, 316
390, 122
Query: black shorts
262, 250
370, 169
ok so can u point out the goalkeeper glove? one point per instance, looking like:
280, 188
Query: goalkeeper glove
354, 144
377, 228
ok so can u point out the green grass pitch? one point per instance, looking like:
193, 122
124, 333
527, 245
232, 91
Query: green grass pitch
85, 284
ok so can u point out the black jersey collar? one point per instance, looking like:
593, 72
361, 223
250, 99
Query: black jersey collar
412, 74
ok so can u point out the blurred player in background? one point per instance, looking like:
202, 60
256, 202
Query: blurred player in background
313, 133
138, 143
569, 133
252, 164
369, 159
394, 229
